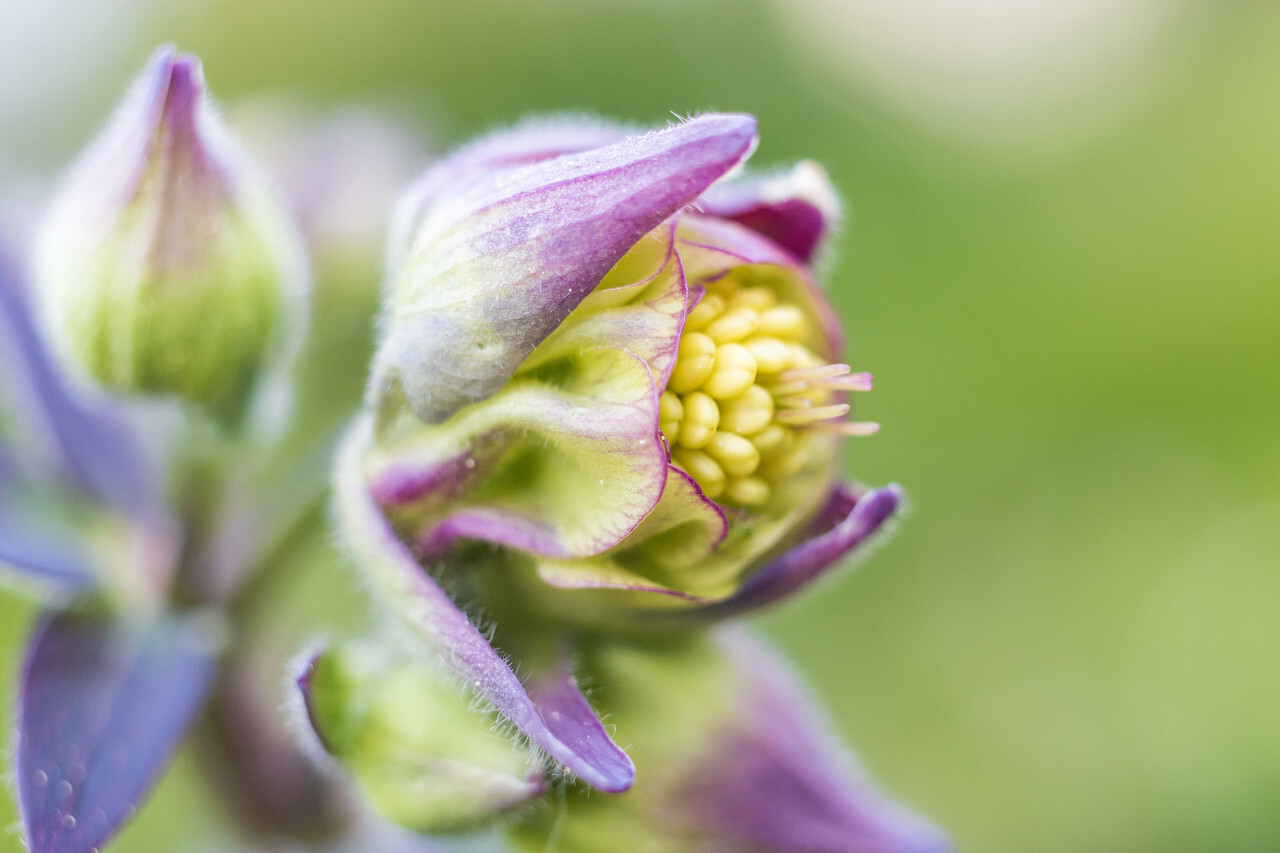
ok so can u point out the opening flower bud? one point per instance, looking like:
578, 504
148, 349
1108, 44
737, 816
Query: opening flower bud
422, 752
166, 266
652, 435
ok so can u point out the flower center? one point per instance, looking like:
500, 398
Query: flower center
746, 395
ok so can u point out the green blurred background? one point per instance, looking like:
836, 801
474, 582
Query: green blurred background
1061, 261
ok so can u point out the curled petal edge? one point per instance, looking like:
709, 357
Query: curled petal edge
797, 209
847, 520
554, 715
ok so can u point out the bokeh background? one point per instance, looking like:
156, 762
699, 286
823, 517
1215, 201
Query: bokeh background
1061, 259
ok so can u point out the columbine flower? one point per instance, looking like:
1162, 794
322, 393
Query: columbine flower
595, 364
166, 265
627, 394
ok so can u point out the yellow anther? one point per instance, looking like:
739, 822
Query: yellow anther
669, 407
746, 491
733, 325
772, 439
736, 455
733, 371
771, 354
788, 464
725, 286
701, 417
802, 357
702, 468
784, 321
704, 312
748, 413
758, 298
747, 396
694, 362
670, 413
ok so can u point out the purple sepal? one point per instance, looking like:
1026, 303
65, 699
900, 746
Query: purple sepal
847, 520
527, 142
496, 266
796, 210
588, 753
776, 781
93, 447
569, 717
47, 556
102, 707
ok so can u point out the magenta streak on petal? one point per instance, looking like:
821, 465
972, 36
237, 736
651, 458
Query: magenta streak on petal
774, 780
403, 482
842, 525
183, 104
591, 755
492, 524
102, 708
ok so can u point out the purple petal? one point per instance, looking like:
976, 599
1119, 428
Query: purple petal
495, 268
48, 555
848, 519
796, 210
92, 446
570, 719
526, 143
102, 708
775, 781
566, 729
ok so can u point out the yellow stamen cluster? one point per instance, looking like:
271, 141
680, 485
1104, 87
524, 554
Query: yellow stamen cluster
746, 394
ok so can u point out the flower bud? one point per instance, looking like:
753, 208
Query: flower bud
734, 758
166, 266
593, 406
638, 397
423, 754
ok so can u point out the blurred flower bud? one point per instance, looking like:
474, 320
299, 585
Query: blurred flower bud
166, 265
423, 752
735, 758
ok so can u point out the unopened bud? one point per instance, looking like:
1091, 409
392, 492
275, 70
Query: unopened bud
414, 741
166, 266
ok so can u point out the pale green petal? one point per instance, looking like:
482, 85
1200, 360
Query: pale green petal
568, 459
644, 317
